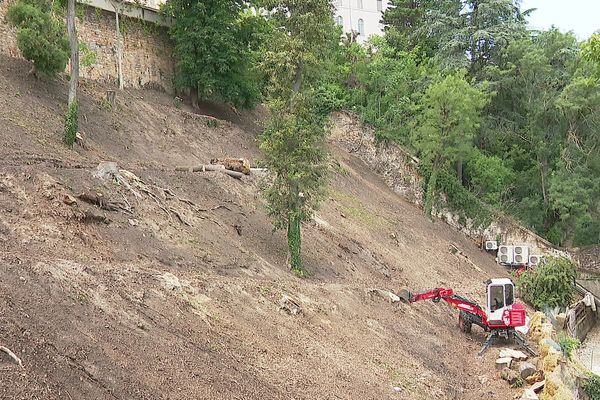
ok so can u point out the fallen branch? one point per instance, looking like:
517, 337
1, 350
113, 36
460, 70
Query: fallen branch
12, 355
99, 201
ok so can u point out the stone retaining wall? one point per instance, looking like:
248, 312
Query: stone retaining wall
147, 59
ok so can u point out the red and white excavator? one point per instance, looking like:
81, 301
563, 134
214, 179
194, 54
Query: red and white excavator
501, 319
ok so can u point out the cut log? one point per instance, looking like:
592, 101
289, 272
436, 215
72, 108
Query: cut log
207, 168
503, 362
527, 369
233, 164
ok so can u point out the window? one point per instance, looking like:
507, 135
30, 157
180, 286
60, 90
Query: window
340, 20
359, 4
361, 27
379, 5
508, 293
496, 298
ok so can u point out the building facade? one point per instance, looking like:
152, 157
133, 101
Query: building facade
360, 16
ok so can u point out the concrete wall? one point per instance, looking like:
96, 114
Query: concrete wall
147, 59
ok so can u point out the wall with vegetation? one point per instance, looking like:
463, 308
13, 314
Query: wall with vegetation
399, 170
147, 60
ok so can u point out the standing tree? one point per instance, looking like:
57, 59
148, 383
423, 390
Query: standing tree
294, 142
118, 7
213, 50
446, 126
40, 36
71, 119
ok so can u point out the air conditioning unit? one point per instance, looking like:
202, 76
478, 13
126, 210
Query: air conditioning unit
491, 245
521, 255
534, 259
505, 255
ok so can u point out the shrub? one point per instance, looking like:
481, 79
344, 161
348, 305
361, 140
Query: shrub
71, 125
41, 37
550, 284
592, 386
568, 343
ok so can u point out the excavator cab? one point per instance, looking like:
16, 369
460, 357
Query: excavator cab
501, 308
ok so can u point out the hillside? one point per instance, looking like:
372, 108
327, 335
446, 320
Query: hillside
149, 305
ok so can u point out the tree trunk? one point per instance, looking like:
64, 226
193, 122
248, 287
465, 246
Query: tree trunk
298, 78
119, 48
74, 43
430, 193
295, 242
459, 171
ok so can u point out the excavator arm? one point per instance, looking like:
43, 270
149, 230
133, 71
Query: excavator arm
447, 294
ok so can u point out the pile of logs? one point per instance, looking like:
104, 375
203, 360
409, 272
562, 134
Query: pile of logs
234, 167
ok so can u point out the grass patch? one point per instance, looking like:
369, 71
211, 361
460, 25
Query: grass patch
355, 210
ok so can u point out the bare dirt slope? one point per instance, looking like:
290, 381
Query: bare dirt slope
180, 299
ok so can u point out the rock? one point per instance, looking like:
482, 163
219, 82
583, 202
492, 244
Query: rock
290, 306
537, 387
527, 369
69, 200
510, 375
514, 354
538, 376
553, 345
529, 394
483, 379
170, 281
397, 389
503, 362
384, 294
106, 169
560, 320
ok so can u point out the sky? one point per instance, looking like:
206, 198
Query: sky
579, 16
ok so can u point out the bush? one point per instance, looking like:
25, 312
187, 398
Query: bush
330, 97
568, 343
550, 284
592, 386
41, 37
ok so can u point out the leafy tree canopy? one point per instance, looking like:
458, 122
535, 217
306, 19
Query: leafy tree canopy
41, 37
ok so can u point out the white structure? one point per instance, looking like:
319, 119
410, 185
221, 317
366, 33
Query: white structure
361, 16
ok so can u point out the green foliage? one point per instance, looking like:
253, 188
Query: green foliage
568, 344
461, 200
448, 120
71, 124
489, 178
294, 141
294, 147
87, 57
41, 37
550, 284
330, 97
177, 102
592, 386
591, 51
214, 49
517, 383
